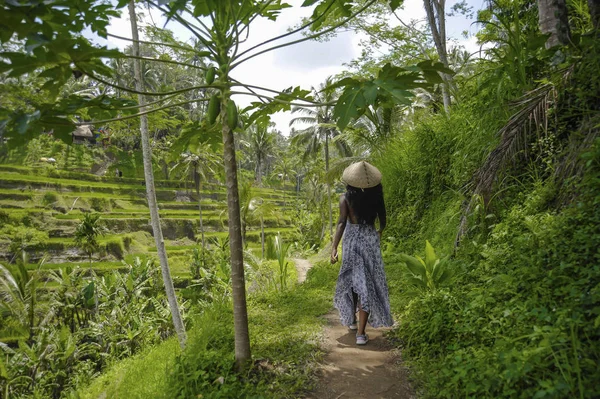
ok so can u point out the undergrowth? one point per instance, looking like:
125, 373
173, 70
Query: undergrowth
521, 317
284, 331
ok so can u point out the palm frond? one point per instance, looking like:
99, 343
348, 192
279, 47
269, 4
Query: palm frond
303, 120
342, 146
532, 117
313, 147
302, 137
306, 111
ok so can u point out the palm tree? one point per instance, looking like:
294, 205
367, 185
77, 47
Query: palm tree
260, 209
199, 164
260, 144
284, 166
150, 191
321, 130
370, 132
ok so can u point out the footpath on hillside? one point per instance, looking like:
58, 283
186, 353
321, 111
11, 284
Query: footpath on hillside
372, 371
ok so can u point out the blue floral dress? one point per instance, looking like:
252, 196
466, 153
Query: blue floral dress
362, 276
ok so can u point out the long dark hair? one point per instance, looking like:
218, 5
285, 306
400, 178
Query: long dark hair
365, 203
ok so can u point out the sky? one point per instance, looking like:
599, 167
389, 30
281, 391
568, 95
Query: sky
307, 64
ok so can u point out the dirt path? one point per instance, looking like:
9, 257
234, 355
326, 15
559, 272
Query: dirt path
349, 371
302, 266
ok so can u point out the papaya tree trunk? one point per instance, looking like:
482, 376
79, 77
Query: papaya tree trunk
554, 20
150, 192
240, 313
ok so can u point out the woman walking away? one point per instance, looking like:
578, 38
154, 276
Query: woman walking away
361, 282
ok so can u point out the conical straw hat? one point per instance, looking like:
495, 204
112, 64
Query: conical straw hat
361, 175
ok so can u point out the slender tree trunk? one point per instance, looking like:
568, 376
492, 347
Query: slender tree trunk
438, 32
284, 194
262, 235
594, 7
258, 172
149, 178
166, 170
328, 184
198, 190
554, 20
240, 313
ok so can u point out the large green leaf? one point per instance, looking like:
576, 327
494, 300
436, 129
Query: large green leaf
394, 4
280, 102
329, 10
414, 266
446, 275
350, 105
430, 257
393, 85
88, 293
438, 266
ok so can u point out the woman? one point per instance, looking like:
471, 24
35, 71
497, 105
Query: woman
361, 281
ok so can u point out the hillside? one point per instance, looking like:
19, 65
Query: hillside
42, 205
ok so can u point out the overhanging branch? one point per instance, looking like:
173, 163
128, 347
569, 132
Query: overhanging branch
249, 87
316, 35
308, 24
277, 100
146, 93
121, 118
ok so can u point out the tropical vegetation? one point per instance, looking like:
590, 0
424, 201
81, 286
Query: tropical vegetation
147, 222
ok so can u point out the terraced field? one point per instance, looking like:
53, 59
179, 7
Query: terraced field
45, 205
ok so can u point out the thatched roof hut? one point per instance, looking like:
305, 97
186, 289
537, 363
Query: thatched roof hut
83, 134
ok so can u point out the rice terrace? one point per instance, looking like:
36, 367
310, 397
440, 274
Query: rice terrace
316, 199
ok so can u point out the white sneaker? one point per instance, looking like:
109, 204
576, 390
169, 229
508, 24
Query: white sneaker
362, 339
353, 326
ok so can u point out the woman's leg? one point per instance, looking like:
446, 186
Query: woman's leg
362, 320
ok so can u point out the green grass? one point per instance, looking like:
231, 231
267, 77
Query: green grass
122, 204
284, 330
142, 376
43, 171
96, 265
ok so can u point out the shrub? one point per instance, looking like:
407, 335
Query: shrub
127, 241
23, 238
49, 198
4, 217
115, 248
100, 204
107, 319
207, 365
521, 320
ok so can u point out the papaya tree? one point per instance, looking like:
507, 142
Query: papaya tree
53, 47
199, 162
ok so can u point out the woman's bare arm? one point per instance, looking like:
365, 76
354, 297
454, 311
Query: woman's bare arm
382, 216
339, 229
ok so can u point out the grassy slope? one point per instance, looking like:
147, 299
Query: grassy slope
122, 206
284, 329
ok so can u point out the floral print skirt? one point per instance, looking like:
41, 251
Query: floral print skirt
362, 278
